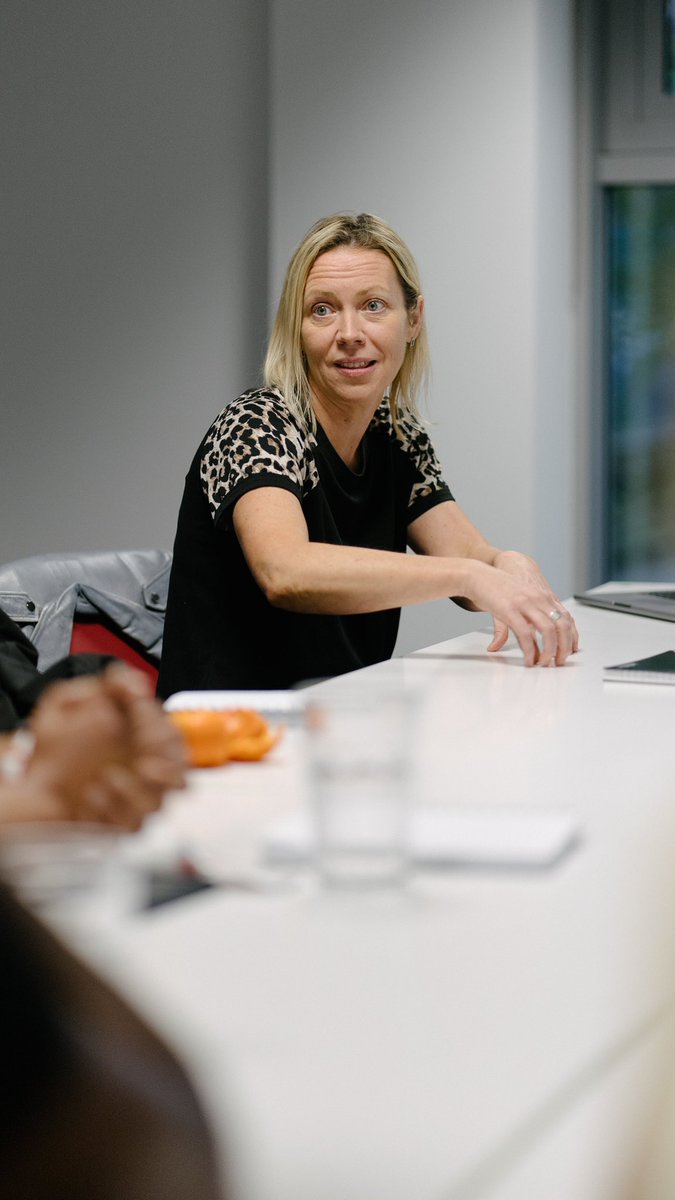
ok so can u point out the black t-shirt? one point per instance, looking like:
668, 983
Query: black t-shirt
220, 631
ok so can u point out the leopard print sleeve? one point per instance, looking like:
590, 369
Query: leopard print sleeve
429, 488
255, 442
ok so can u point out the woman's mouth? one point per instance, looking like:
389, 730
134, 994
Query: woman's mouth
355, 364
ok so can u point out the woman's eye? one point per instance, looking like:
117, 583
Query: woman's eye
374, 305
321, 310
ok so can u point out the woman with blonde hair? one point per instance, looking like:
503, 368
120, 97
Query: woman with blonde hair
290, 556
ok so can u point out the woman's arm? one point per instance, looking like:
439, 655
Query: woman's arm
316, 577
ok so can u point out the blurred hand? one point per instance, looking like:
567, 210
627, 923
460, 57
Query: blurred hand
78, 732
104, 751
156, 756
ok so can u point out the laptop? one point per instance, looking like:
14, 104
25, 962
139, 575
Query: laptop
646, 602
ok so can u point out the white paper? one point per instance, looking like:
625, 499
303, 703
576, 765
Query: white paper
456, 837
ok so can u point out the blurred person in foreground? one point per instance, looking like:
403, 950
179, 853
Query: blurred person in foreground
96, 748
290, 555
93, 1105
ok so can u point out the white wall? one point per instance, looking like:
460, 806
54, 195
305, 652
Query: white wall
134, 277
453, 120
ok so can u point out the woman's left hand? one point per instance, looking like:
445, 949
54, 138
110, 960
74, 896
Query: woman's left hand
525, 568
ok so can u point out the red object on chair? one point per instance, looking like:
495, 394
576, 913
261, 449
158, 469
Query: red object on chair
92, 637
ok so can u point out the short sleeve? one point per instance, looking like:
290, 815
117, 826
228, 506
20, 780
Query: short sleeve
255, 442
429, 487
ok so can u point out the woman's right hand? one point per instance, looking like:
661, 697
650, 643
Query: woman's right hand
523, 603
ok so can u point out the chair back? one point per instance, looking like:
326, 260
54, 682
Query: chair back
110, 602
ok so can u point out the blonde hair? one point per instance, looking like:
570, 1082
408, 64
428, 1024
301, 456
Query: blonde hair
285, 366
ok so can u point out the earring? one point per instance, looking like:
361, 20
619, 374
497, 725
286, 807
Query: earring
412, 342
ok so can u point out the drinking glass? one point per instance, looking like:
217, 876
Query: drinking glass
71, 874
360, 743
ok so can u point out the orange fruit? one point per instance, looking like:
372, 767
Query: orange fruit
213, 738
244, 722
205, 734
253, 747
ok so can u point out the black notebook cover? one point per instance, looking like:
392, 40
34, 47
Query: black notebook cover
658, 668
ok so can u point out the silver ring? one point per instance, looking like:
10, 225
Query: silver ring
555, 615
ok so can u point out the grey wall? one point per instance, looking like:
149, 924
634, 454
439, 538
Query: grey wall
134, 275
454, 121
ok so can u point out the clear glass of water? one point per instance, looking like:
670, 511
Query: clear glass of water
360, 762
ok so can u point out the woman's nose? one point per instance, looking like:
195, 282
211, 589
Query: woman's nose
349, 326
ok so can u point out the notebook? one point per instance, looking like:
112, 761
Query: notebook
657, 668
642, 603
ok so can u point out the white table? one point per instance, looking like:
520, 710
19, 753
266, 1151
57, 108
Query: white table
483, 1035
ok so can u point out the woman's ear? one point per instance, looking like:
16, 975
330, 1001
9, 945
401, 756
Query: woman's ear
415, 315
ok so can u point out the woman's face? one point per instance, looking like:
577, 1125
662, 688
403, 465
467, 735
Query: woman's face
355, 327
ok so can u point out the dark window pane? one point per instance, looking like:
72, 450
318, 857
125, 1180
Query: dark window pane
669, 47
641, 370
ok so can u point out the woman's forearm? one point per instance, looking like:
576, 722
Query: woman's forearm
331, 579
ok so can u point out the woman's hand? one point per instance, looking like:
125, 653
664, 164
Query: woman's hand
520, 599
